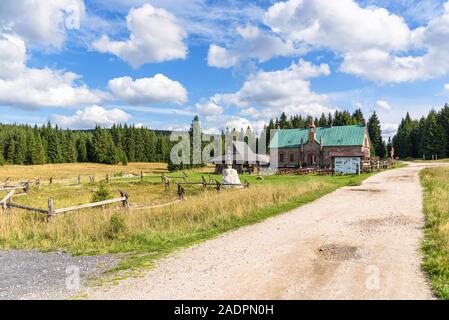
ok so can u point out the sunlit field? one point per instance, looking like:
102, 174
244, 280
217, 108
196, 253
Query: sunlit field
145, 233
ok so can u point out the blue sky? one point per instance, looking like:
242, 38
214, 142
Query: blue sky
235, 63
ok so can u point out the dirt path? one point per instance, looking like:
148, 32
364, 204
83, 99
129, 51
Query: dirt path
356, 243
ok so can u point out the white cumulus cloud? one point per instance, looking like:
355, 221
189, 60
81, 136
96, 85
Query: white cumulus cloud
288, 90
374, 43
89, 117
389, 130
253, 44
237, 123
209, 108
41, 22
155, 36
382, 104
31, 87
339, 25
158, 89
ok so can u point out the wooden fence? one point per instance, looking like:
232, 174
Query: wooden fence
376, 164
25, 186
52, 211
215, 184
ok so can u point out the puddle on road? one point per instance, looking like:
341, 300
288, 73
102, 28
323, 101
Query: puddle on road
339, 253
385, 222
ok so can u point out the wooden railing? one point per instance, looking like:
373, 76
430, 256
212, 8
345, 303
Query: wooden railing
52, 211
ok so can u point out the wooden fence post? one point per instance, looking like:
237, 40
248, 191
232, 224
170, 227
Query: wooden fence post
8, 203
26, 188
141, 176
51, 208
79, 179
51, 180
167, 184
126, 201
107, 177
181, 192
218, 187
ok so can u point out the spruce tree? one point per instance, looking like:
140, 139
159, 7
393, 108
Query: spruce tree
375, 134
435, 139
82, 149
53, 148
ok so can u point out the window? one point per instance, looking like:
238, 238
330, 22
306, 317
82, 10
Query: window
292, 157
281, 157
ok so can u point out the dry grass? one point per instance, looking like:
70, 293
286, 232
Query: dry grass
436, 244
148, 233
72, 170
88, 232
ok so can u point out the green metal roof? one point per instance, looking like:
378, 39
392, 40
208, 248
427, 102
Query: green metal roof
332, 137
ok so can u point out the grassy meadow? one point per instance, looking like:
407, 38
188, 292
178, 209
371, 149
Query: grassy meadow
144, 235
436, 241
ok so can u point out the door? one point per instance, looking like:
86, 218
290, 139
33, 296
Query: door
311, 159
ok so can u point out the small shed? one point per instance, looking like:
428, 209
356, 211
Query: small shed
243, 159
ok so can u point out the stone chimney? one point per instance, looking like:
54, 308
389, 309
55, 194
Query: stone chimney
312, 131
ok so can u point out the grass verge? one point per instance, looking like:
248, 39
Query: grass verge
436, 240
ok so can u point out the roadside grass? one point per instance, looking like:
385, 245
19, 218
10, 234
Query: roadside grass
436, 240
141, 236
427, 161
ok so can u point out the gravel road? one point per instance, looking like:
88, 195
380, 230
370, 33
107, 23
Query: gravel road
356, 243
35, 275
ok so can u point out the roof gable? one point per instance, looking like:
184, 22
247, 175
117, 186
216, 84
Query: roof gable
332, 137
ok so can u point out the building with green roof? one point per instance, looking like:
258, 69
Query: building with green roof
319, 146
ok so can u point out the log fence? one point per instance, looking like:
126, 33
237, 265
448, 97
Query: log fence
52, 211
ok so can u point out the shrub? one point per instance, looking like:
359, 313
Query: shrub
116, 227
101, 194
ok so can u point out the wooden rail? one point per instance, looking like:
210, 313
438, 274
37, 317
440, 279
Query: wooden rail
90, 205
184, 177
19, 206
157, 206
25, 187
4, 201
51, 211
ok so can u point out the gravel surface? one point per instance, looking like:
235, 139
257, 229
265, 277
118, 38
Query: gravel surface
35, 275
356, 243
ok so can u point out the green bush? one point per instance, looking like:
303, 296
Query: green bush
101, 194
116, 227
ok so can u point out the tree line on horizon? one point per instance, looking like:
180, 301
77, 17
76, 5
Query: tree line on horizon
423, 138
47, 144
24, 144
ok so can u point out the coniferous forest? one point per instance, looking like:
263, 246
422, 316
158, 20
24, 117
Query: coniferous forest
424, 138
23, 144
